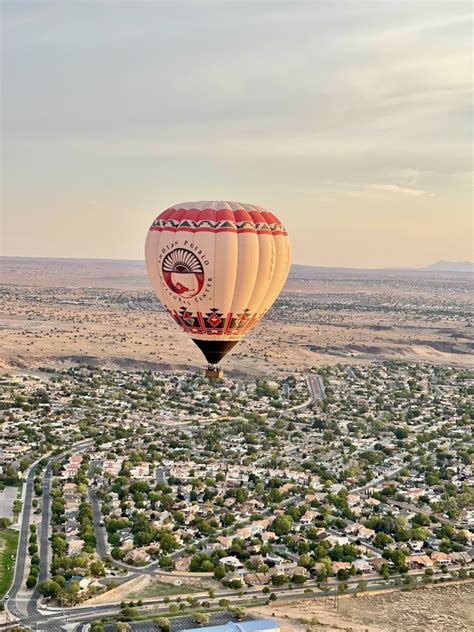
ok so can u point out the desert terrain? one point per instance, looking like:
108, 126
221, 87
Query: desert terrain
437, 609
62, 312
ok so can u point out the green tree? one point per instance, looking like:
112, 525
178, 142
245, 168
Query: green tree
164, 624
282, 525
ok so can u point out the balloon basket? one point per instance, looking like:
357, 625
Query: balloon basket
214, 373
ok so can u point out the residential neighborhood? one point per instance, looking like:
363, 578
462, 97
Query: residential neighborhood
344, 472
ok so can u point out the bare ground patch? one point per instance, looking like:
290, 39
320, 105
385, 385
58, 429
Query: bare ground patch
433, 609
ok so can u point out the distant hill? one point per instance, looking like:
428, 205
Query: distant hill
451, 266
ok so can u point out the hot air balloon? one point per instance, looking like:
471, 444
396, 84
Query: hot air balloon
217, 267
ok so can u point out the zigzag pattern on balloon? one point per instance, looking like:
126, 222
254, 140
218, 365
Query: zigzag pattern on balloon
214, 322
217, 226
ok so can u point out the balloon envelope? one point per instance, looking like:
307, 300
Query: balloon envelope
217, 267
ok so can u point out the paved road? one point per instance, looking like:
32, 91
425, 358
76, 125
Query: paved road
99, 531
316, 392
16, 606
385, 477
422, 510
44, 548
81, 614
53, 619
160, 475
316, 387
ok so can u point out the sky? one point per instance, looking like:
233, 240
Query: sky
349, 120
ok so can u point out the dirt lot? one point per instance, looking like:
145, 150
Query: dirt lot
434, 609
146, 586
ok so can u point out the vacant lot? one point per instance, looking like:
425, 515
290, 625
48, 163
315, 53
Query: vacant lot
164, 589
8, 546
433, 609
7, 498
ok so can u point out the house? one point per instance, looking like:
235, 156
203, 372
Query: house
378, 562
183, 563
353, 500
299, 571
268, 536
74, 545
72, 527
416, 545
339, 566
442, 559
336, 539
69, 489
234, 577
243, 533
137, 556
362, 565
419, 561
366, 534
225, 541
83, 582
310, 516
460, 556
256, 579
142, 470
371, 502
230, 560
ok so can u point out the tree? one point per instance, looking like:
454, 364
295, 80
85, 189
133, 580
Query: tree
97, 568
123, 627
398, 557
237, 611
219, 572
71, 594
362, 585
49, 588
282, 525
166, 562
342, 587
97, 626
164, 624
280, 579
382, 539
31, 581
168, 542
201, 618
128, 613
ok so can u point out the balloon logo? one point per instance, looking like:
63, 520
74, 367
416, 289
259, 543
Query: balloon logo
183, 273
217, 267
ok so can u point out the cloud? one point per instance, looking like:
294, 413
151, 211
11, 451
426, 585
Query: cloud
394, 188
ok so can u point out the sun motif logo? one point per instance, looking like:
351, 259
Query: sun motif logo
183, 272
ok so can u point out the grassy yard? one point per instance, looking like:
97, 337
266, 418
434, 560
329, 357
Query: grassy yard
163, 589
8, 546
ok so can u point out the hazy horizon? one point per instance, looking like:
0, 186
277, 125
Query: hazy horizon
301, 265
349, 120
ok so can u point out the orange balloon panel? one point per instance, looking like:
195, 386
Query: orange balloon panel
217, 267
